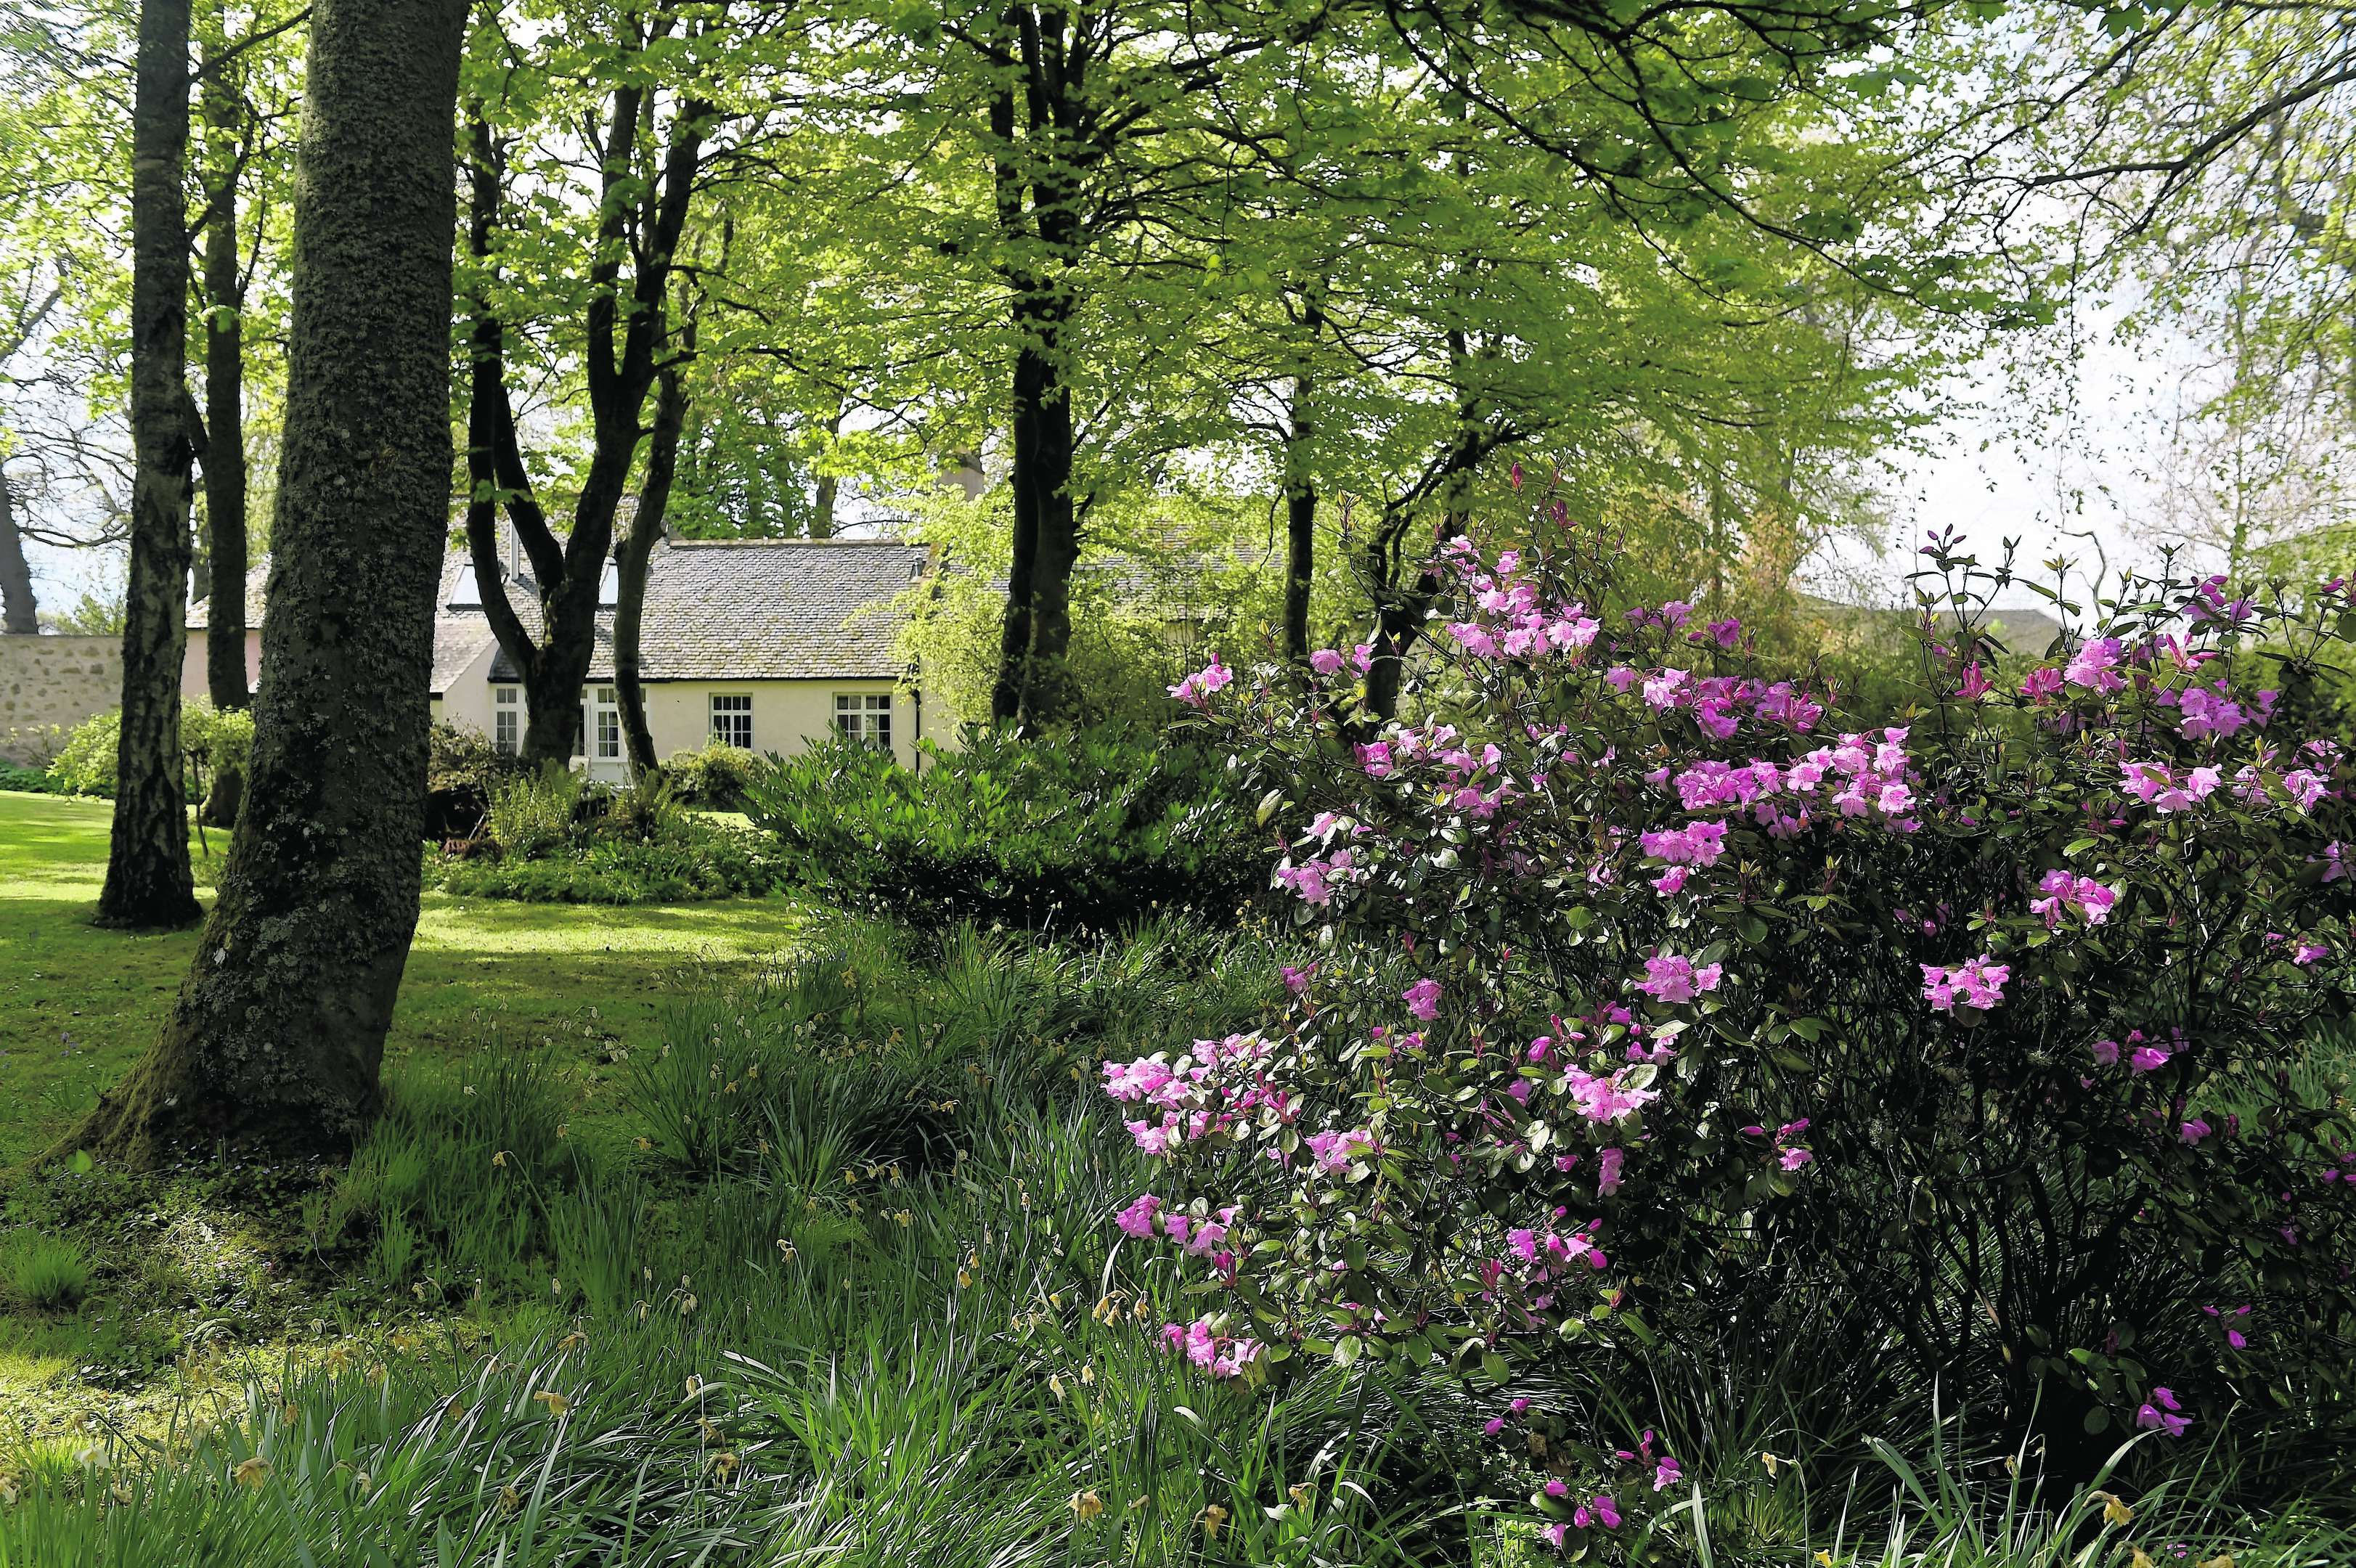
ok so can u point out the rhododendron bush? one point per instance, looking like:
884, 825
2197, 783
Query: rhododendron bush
1650, 993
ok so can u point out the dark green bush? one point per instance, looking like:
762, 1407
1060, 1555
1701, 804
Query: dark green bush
716, 778
32, 781
1087, 829
553, 838
462, 771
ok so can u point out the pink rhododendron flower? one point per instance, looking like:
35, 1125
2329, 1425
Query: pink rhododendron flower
1497, 1423
2308, 952
1794, 1158
1666, 1473
1297, 980
1422, 1000
1978, 984
2232, 1336
2093, 668
2043, 685
2148, 1059
1607, 1512
2194, 1131
1673, 978
1608, 1164
1325, 661
2159, 1413
1196, 688
2107, 1053
1137, 1219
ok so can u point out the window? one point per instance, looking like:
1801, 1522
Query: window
609, 725
732, 719
507, 719
866, 719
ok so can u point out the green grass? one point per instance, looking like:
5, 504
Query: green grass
78, 1004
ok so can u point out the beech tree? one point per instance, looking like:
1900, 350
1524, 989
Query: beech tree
278, 1031
523, 264
148, 881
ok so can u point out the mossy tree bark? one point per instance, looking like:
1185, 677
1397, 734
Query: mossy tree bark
278, 1032
147, 877
225, 478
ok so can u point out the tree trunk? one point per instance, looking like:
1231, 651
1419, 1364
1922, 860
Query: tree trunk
822, 526
630, 563
225, 483
1300, 525
1045, 692
19, 615
1014, 631
225, 480
619, 370
147, 877
277, 1032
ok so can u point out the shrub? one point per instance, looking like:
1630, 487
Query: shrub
559, 840
716, 778
1652, 1001
47, 1271
1094, 829
462, 771
534, 813
32, 781
85, 764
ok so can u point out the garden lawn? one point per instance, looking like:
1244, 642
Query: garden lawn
78, 1004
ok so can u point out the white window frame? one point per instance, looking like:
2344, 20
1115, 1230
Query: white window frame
736, 719
507, 719
608, 707
864, 717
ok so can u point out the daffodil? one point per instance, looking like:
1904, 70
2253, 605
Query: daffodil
1213, 1518
2114, 1510
557, 1404
251, 1472
1088, 1505
725, 1464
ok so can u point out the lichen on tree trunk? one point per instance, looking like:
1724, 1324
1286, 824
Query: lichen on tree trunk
277, 1033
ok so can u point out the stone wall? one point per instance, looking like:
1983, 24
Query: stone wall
48, 684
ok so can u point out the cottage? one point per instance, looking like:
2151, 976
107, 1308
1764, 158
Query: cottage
765, 644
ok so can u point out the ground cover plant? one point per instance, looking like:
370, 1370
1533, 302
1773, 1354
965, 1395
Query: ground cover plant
551, 836
1093, 828
1645, 998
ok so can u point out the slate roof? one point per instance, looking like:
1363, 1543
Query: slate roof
731, 610
256, 582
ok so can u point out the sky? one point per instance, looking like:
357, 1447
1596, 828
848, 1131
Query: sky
2078, 481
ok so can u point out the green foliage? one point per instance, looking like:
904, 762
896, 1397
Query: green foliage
85, 765
555, 838
463, 768
31, 781
45, 1271
535, 814
716, 778
1088, 829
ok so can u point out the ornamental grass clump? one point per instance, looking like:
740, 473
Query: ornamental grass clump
1654, 998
